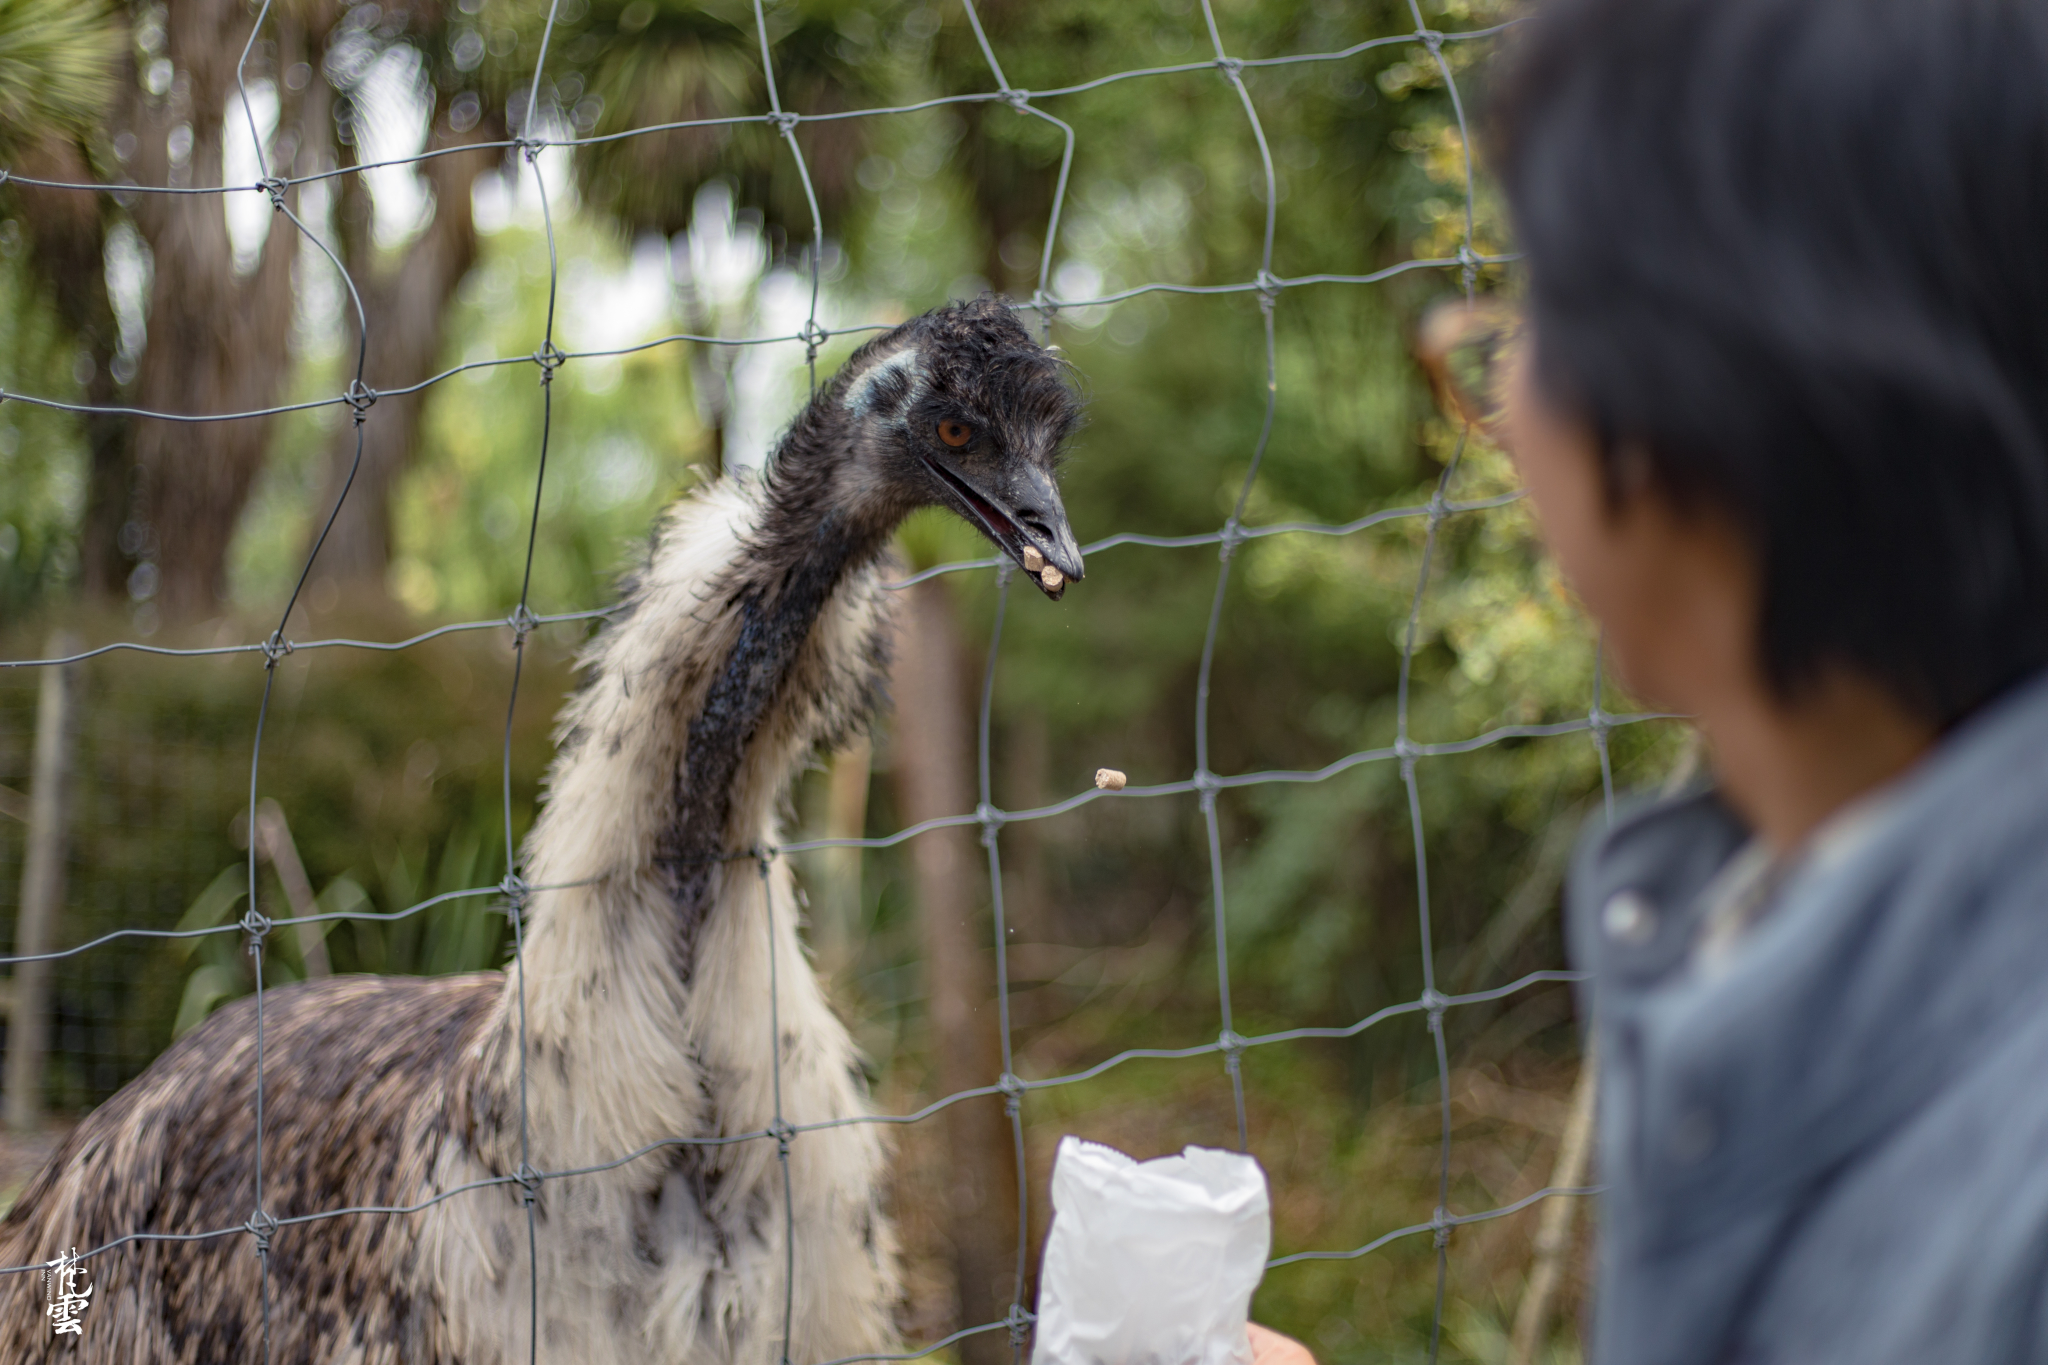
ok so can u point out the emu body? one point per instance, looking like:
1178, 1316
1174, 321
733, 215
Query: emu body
757, 632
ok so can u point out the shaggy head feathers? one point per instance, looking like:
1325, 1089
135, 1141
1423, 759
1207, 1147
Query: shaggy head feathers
958, 408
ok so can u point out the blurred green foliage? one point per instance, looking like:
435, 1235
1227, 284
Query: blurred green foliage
42, 454
59, 61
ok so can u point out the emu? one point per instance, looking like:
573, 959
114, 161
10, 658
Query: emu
758, 630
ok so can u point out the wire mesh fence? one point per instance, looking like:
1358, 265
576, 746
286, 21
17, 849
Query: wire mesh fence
1406, 754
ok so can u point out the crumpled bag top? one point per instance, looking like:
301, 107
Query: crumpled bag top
1151, 1262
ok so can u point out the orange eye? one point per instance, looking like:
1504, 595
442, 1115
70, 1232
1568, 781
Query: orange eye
955, 434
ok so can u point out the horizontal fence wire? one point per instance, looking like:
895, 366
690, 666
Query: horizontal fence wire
513, 894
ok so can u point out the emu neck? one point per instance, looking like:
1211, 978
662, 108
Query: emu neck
757, 633
776, 596
809, 536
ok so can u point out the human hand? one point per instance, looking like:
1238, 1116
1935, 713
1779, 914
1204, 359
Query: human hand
1270, 1348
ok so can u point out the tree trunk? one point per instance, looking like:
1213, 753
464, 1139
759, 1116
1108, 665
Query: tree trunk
1027, 902
710, 375
934, 774
218, 342
836, 907
407, 309
42, 895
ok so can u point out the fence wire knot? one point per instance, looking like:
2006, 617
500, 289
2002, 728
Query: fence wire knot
1433, 39
1232, 1045
784, 121
813, 336
530, 148
256, 925
549, 357
1019, 1321
262, 1227
274, 186
1017, 99
1230, 538
1231, 67
992, 821
1441, 1222
528, 1180
360, 399
515, 891
276, 647
782, 1133
522, 620
1269, 288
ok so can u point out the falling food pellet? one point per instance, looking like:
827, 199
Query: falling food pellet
1051, 577
1109, 779
1033, 561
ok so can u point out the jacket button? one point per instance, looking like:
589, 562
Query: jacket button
1629, 917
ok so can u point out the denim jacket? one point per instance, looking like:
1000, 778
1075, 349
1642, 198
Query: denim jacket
1833, 1147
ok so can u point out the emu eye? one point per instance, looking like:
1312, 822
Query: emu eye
955, 434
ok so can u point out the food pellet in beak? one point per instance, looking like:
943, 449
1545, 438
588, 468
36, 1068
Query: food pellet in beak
1033, 561
1051, 577
1109, 779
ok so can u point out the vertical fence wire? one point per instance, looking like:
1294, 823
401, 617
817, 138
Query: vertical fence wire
991, 821
549, 359
1232, 1044
1433, 1000
1205, 782
262, 1225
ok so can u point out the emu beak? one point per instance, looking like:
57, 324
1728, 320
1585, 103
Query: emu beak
1017, 505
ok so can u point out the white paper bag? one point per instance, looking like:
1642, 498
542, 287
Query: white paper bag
1151, 1262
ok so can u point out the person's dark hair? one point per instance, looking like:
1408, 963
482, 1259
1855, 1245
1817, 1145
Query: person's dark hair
1796, 253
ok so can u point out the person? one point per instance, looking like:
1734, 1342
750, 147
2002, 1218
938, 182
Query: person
1779, 397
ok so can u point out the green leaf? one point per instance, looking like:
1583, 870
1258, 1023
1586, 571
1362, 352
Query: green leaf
205, 991
213, 905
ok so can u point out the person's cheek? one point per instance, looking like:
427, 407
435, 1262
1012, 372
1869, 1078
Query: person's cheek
1609, 561
1561, 473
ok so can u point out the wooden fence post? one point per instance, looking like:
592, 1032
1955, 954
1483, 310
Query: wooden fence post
42, 892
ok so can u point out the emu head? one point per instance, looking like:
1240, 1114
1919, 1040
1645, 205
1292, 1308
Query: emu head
960, 408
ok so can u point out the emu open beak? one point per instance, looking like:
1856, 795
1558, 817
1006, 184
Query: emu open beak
1018, 507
